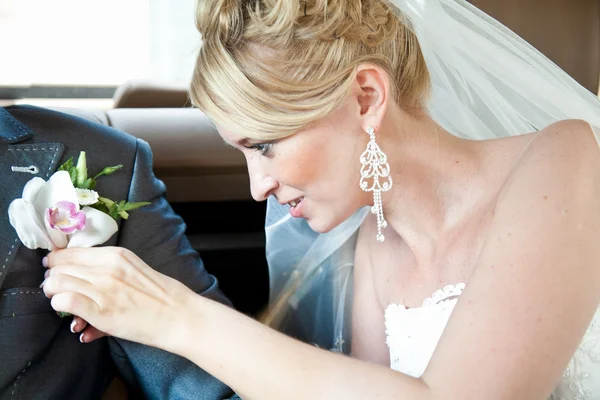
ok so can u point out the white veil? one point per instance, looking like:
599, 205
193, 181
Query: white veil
486, 82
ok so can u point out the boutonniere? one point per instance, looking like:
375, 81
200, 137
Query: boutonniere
66, 211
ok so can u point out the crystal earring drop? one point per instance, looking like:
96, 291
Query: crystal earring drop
375, 166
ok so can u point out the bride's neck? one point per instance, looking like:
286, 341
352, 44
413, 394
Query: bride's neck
438, 181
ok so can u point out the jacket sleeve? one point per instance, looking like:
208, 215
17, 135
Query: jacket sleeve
157, 235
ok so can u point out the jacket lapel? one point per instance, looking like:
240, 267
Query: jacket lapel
19, 162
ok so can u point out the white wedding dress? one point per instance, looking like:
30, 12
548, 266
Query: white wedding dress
413, 334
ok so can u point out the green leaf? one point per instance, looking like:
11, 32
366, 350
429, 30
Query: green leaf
73, 174
64, 314
117, 209
109, 171
82, 174
67, 165
90, 184
112, 211
106, 201
125, 206
110, 207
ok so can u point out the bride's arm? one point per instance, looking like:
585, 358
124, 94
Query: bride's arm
526, 307
264, 364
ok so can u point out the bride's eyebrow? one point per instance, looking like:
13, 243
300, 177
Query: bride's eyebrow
244, 142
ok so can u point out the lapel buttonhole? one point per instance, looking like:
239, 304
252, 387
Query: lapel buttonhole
32, 169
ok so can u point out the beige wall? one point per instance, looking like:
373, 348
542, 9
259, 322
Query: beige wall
566, 31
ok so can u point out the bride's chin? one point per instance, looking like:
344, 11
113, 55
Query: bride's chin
322, 225
325, 223
319, 226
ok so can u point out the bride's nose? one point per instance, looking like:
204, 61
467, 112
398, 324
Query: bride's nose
262, 185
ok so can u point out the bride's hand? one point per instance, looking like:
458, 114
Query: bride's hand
117, 293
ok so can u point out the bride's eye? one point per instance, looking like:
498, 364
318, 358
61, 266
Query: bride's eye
263, 148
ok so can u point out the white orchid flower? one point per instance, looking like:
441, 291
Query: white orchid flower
48, 216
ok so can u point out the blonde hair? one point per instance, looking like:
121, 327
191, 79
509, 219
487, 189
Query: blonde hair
269, 68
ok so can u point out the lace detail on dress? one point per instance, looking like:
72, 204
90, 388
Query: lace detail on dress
446, 293
576, 380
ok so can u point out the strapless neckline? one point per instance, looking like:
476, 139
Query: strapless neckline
446, 293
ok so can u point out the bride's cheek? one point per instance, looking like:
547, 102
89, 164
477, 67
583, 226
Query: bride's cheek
300, 168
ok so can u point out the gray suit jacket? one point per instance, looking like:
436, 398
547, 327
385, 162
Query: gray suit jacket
39, 357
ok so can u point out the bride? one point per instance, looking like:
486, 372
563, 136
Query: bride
399, 131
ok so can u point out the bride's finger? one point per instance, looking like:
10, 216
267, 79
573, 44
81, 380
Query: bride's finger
76, 304
107, 257
62, 283
78, 324
118, 263
90, 334
77, 271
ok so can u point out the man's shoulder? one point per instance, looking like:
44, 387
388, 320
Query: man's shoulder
71, 127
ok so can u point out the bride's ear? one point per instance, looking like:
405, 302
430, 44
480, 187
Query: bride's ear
373, 93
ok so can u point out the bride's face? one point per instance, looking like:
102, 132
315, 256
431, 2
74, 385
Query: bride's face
315, 171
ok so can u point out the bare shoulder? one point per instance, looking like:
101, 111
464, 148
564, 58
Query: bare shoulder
569, 141
556, 182
560, 159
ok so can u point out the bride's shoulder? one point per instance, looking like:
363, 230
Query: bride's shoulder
561, 159
572, 137
565, 147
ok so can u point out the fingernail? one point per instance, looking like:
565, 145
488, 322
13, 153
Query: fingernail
42, 284
81, 338
73, 325
45, 262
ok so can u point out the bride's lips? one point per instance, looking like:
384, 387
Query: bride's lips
296, 207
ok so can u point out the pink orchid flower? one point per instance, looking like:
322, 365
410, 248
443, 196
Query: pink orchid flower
66, 217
